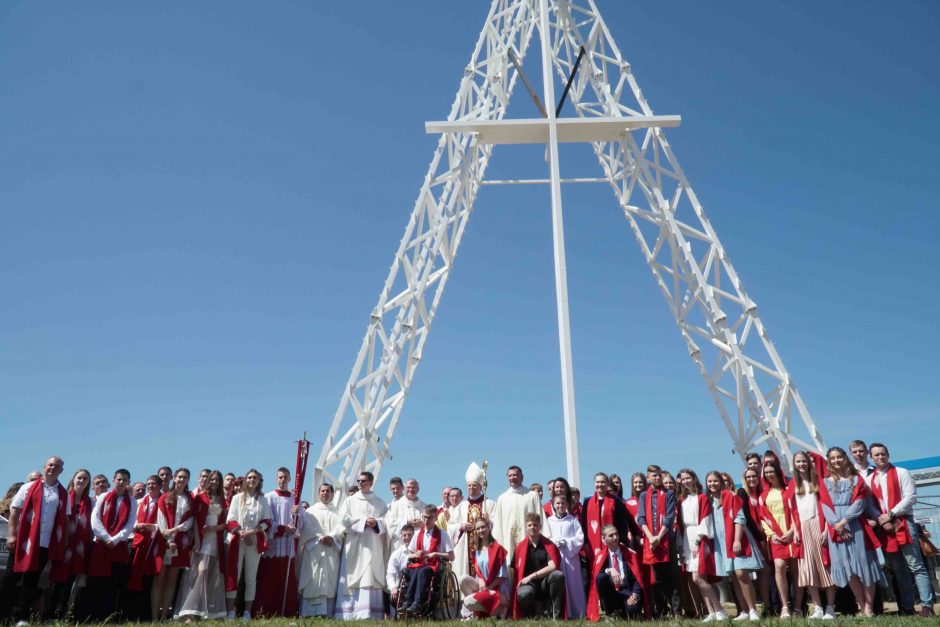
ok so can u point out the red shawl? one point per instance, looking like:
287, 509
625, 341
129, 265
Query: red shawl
789, 507
26, 552
488, 598
860, 491
234, 542
633, 506
706, 548
901, 535
655, 523
433, 545
754, 508
145, 547
548, 509
522, 551
181, 538
201, 514
731, 504
113, 517
632, 560
80, 536
596, 521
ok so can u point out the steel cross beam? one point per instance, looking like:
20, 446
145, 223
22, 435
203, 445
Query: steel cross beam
726, 339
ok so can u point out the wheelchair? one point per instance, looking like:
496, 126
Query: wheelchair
442, 601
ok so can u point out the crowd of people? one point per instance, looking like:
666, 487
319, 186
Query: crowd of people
657, 546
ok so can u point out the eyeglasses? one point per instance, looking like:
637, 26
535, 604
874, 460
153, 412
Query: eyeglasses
363, 480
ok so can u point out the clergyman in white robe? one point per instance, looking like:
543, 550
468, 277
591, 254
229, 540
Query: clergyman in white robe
509, 514
321, 541
362, 567
408, 508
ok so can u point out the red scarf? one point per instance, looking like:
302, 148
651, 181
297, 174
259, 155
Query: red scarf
113, 518
860, 491
234, 542
753, 507
435, 541
655, 523
145, 546
201, 514
598, 518
706, 548
548, 509
901, 534
78, 550
522, 551
489, 599
631, 560
26, 554
731, 504
790, 516
180, 538
824, 549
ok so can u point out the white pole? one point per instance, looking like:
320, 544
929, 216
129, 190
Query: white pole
561, 278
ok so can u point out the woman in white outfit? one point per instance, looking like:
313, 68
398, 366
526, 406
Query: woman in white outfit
202, 593
248, 521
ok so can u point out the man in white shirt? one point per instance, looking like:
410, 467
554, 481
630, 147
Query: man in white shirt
428, 546
36, 532
112, 523
407, 509
397, 567
618, 589
894, 495
859, 452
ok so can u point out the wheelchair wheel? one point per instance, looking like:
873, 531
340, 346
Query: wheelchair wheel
448, 599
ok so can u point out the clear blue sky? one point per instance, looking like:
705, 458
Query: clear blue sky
200, 202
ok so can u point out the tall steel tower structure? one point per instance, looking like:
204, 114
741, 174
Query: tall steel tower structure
719, 323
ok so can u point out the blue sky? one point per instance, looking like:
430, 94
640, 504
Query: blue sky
200, 202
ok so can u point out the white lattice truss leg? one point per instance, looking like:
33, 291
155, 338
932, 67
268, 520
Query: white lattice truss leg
725, 337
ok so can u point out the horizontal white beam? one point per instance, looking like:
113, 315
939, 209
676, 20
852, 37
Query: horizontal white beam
535, 130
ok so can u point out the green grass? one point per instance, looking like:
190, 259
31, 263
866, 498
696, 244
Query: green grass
886, 621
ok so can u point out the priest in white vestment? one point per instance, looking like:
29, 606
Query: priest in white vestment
362, 567
511, 508
321, 540
565, 531
460, 523
407, 509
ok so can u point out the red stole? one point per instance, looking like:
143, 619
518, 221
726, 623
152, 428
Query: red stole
790, 516
731, 504
754, 508
860, 491
522, 551
596, 520
113, 516
633, 506
78, 550
145, 546
180, 538
706, 548
901, 534
201, 514
655, 523
631, 560
489, 599
548, 509
234, 542
433, 544
26, 554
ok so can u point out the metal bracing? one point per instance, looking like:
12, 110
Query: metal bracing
725, 337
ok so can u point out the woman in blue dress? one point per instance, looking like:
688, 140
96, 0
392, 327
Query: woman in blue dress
852, 542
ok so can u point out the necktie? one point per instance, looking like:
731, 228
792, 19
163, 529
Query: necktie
616, 565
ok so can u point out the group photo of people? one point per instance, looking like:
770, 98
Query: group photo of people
814, 540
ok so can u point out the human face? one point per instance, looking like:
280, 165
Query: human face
560, 504
180, 481
213, 484
411, 490
482, 530
153, 488
139, 490
601, 486
713, 484
283, 480
101, 486
669, 483
558, 488
474, 489
616, 484
801, 462
228, 483
727, 483
753, 463
612, 539
165, 474
533, 529
52, 470
880, 456
428, 520
837, 460
445, 494
252, 481
638, 484
685, 480
859, 454
396, 489
752, 478
203, 480
365, 484
770, 475
406, 535
120, 483
454, 497
325, 494
514, 477
80, 482
655, 478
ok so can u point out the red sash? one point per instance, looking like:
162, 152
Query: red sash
632, 560
433, 545
26, 554
731, 504
78, 550
113, 517
792, 550
234, 542
522, 551
655, 523
489, 599
901, 534
753, 506
201, 514
860, 491
633, 506
145, 547
596, 521
706, 548
548, 509
181, 538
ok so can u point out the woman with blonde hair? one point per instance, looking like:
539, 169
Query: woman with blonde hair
637, 485
247, 524
812, 566
202, 593
487, 594
750, 495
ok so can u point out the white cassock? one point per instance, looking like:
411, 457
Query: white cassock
400, 512
362, 566
568, 536
318, 563
509, 516
458, 516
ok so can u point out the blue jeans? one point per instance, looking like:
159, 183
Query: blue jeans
906, 562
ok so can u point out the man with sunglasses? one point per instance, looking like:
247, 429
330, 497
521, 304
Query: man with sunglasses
362, 574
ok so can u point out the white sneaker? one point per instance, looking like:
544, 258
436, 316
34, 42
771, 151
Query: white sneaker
710, 618
817, 613
740, 617
720, 615
830, 613
22, 623
753, 616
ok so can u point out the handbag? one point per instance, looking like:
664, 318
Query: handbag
927, 549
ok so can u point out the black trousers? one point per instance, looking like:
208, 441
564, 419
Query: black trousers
613, 601
29, 588
105, 595
666, 589
551, 588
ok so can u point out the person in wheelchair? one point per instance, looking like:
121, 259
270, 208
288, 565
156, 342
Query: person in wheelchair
487, 594
428, 546
398, 568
